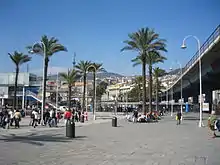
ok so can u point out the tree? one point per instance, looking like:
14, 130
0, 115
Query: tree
47, 47
149, 46
94, 68
133, 94
101, 89
157, 73
18, 59
70, 78
82, 68
138, 84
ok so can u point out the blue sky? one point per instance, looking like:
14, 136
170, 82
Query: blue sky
95, 29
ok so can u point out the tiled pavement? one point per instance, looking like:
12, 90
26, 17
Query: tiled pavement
162, 143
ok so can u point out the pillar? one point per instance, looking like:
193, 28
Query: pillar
3, 101
208, 99
185, 99
195, 99
23, 95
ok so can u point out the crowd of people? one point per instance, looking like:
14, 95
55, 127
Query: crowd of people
149, 117
10, 118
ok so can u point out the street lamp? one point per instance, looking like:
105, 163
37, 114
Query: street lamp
44, 80
168, 85
94, 105
57, 93
181, 88
200, 75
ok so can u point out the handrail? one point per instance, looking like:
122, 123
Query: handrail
215, 34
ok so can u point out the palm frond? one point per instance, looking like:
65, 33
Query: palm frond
136, 61
19, 58
70, 76
50, 45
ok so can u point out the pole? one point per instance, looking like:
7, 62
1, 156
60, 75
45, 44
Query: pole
200, 76
43, 85
57, 93
94, 116
126, 101
167, 97
181, 93
172, 101
86, 95
23, 95
200, 85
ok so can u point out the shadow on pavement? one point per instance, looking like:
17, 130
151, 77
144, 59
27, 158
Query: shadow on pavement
38, 140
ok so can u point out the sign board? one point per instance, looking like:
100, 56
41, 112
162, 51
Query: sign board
205, 107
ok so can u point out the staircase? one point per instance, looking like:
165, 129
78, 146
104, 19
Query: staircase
36, 97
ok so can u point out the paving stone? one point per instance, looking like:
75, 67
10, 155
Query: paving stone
163, 143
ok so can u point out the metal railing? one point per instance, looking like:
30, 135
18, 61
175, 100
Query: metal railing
35, 96
203, 48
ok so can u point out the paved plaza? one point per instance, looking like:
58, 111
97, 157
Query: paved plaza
162, 143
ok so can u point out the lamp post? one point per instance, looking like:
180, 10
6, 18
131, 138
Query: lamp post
181, 88
57, 93
94, 105
168, 85
171, 101
23, 96
44, 80
2, 101
200, 75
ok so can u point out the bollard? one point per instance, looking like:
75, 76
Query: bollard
70, 129
114, 121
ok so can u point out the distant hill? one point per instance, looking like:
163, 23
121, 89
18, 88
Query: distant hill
100, 75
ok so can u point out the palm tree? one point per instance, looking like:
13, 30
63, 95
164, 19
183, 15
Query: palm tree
94, 68
47, 47
82, 68
151, 59
138, 82
70, 78
157, 73
18, 59
149, 46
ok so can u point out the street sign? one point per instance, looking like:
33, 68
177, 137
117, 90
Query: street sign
205, 107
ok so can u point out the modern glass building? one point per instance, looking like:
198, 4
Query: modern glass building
26, 81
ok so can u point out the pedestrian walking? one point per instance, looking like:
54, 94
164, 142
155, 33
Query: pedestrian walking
11, 117
52, 121
178, 117
17, 118
135, 116
67, 116
35, 118
212, 123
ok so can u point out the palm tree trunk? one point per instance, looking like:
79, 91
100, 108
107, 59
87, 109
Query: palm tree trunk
150, 88
84, 92
144, 87
157, 104
139, 92
69, 97
45, 83
15, 89
93, 104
